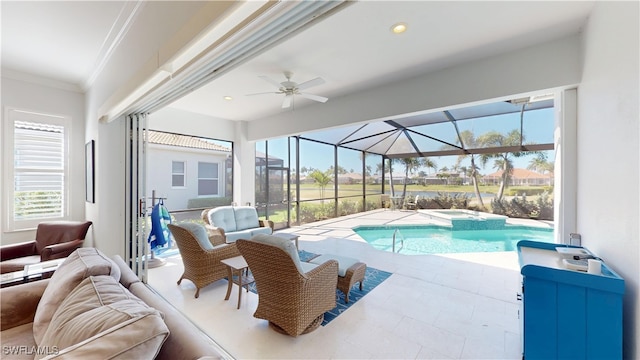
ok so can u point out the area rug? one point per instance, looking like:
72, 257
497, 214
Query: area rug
372, 278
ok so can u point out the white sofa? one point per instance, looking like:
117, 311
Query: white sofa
236, 222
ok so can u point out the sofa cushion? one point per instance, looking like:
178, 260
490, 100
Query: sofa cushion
17, 338
223, 217
200, 233
261, 230
246, 217
103, 320
286, 245
235, 235
82, 263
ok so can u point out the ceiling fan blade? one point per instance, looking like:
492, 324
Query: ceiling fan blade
262, 93
321, 99
286, 103
313, 82
271, 81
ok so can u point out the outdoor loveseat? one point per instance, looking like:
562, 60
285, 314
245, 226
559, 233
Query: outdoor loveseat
235, 222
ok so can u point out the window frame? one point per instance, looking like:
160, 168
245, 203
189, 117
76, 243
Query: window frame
217, 179
12, 115
184, 174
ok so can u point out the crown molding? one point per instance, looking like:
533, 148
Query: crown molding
40, 80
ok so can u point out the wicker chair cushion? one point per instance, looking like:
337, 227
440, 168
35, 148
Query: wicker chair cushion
286, 245
223, 217
200, 233
246, 217
344, 262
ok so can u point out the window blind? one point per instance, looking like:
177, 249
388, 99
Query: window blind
39, 170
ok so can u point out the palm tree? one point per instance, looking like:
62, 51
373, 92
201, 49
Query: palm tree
540, 164
469, 141
503, 160
429, 164
410, 165
322, 179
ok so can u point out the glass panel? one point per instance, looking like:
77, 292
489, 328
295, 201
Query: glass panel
431, 118
384, 144
445, 132
207, 187
333, 136
311, 211
177, 180
370, 129
493, 130
350, 205
277, 207
317, 177
207, 170
261, 176
373, 183
177, 167
278, 152
350, 182
538, 126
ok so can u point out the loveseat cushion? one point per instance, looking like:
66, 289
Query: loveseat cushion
82, 263
223, 217
246, 217
103, 320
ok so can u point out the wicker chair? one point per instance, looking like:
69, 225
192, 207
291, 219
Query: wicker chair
200, 257
293, 296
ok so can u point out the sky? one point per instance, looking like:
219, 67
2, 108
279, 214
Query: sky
538, 128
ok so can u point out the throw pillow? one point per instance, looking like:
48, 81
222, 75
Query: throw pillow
81, 264
101, 319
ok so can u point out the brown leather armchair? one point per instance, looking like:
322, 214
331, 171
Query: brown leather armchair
54, 240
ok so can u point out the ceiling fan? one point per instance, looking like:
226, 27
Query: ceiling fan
291, 88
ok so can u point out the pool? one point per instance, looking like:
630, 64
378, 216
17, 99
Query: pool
435, 239
467, 219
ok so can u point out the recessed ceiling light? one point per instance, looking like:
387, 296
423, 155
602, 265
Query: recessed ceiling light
228, 98
399, 28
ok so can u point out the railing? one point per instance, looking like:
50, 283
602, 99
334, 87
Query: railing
395, 232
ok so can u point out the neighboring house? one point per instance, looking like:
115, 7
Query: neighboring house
350, 178
521, 177
181, 167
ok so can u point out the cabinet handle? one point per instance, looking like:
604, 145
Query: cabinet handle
518, 296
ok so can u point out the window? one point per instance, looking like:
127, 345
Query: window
207, 179
177, 174
37, 153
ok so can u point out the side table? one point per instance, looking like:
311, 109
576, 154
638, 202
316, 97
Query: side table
238, 274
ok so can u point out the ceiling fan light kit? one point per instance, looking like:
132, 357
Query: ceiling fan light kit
291, 88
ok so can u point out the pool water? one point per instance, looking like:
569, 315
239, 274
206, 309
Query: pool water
434, 239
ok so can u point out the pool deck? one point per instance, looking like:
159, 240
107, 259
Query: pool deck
451, 306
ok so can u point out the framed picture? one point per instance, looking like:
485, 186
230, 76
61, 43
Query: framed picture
89, 177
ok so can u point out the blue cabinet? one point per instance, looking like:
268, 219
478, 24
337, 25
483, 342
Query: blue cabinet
568, 314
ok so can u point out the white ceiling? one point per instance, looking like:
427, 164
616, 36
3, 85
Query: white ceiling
352, 50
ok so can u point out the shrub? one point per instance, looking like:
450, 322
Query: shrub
528, 191
444, 200
208, 202
542, 208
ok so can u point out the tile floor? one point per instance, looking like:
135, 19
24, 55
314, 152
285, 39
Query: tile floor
456, 306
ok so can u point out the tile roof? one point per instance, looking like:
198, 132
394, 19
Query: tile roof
520, 174
163, 138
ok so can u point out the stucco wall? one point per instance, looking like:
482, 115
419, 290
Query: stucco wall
608, 152
49, 100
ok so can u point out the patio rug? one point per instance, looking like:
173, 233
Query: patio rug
372, 278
